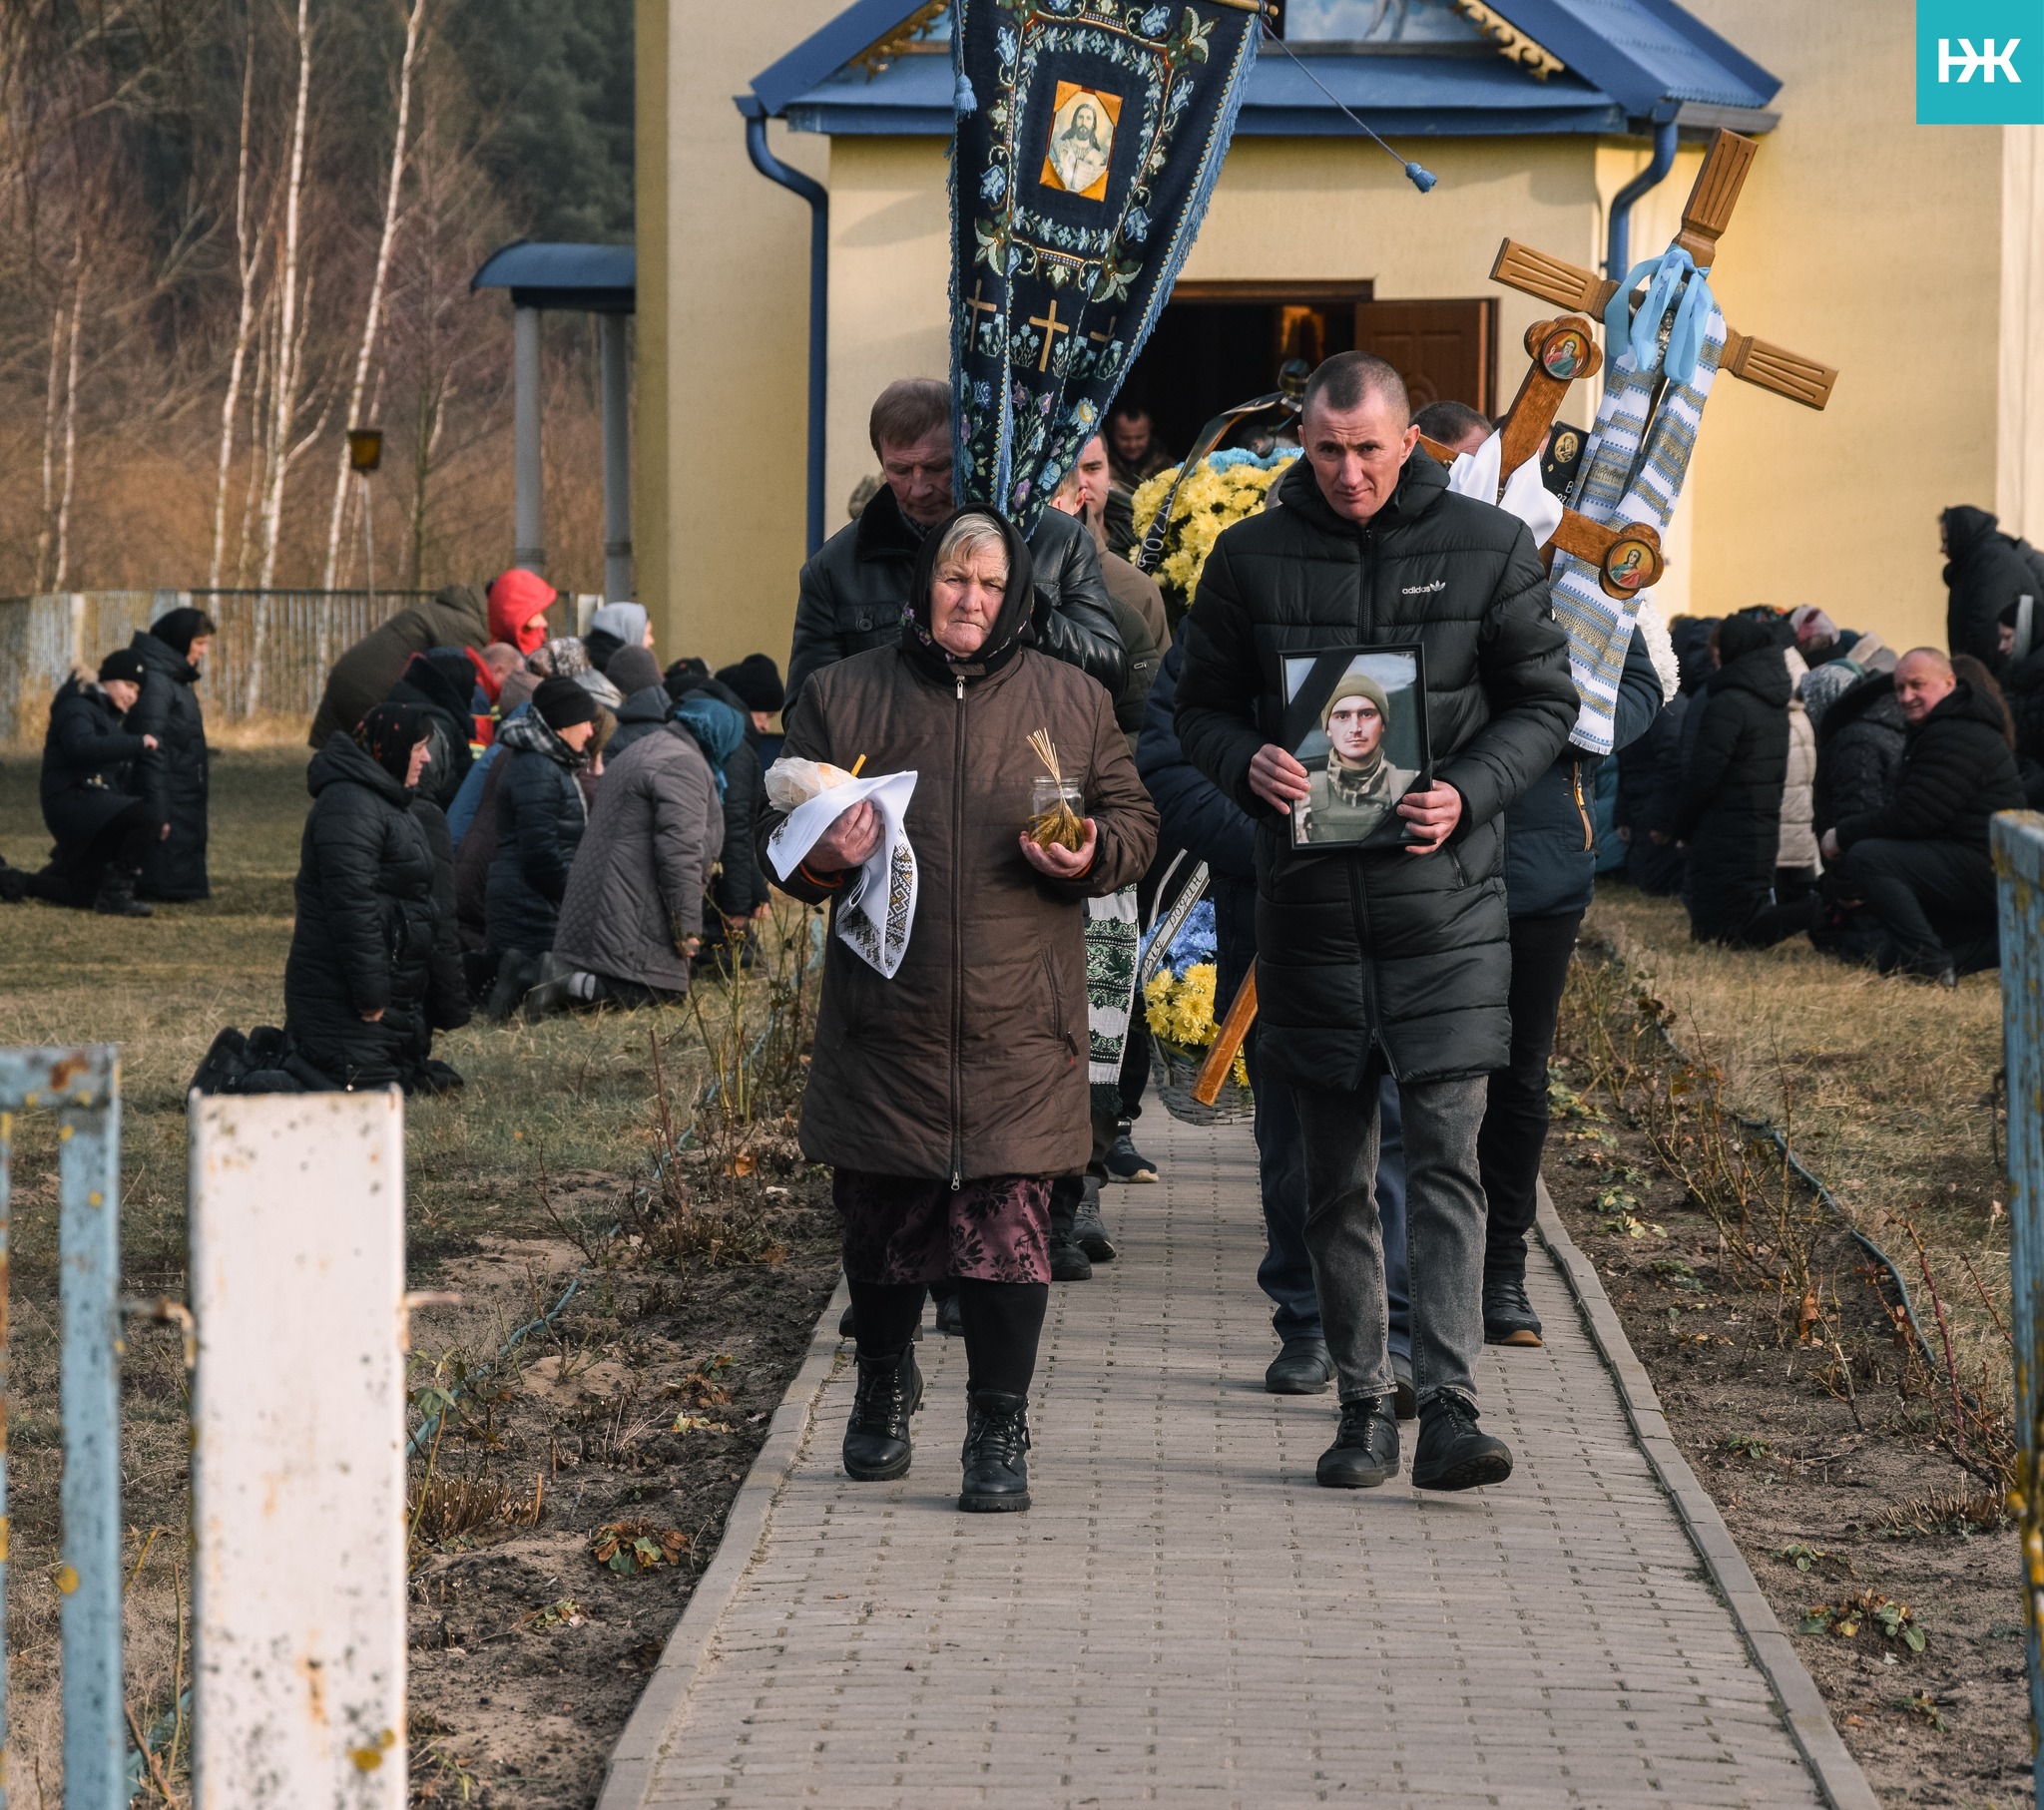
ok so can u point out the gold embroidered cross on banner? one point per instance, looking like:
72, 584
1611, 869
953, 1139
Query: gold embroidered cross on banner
1052, 327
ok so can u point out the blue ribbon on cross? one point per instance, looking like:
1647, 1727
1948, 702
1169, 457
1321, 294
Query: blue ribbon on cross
1673, 274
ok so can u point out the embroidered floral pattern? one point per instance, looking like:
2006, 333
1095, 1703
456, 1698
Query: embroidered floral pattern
1076, 279
900, 1229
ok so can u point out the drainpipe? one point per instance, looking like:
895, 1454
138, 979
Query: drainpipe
818, 198
1618, 239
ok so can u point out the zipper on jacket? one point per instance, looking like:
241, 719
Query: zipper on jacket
1582, 810
958, 945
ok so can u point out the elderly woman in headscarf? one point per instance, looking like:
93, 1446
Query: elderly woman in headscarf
949, 1096
374, 966
632, 919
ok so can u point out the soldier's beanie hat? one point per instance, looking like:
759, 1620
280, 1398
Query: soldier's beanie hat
1357, 684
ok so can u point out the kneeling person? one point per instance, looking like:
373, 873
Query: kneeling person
103, 830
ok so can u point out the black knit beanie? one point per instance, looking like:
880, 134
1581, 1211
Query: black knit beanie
123, 662
560, 703
757, 679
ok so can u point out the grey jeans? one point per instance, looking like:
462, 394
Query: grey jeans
1444, 1225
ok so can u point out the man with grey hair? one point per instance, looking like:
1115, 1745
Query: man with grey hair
1384, 961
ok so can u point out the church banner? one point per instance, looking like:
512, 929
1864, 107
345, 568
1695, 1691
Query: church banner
1090, 134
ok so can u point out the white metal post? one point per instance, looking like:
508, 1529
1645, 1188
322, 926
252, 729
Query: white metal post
298, 1461
528, 472
617, 460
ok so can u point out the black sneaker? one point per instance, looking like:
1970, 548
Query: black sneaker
996, 1454
1365, 1451
1089, 1231
1068, 1263
1455, 1453
1122, 1160
877, 1446
1302, 1367
1508, 1316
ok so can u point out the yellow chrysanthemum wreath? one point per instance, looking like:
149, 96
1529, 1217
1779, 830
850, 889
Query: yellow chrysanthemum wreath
1227, 488
1181, 1013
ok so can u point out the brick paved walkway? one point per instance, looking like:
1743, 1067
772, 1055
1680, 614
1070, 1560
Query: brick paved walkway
1186, 1619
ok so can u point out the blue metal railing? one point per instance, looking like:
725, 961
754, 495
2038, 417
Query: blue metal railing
83, 1086
2019, 863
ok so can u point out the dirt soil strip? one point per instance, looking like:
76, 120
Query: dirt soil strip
655, 1720
1809, 1723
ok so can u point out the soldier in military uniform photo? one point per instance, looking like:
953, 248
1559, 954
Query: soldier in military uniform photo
1356, 787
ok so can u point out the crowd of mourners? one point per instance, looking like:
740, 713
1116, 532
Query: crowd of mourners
509, 819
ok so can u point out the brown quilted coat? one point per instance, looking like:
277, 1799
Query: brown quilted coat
971, 1061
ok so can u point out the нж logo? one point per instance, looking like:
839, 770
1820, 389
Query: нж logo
1980, 62
1984, 61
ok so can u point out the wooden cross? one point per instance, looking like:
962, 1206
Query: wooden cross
1052, 327
1626, 557
1704, 221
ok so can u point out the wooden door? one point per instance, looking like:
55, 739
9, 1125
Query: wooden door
1445, 350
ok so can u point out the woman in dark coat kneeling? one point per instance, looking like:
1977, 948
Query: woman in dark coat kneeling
176, 777
103, 831
949, 1096
376, 965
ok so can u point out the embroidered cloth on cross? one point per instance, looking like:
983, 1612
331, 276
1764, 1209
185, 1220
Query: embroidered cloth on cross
1090, 134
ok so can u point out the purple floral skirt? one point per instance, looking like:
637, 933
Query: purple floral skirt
902, 1228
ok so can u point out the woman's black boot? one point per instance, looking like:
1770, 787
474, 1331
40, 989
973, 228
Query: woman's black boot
876, 1447
996, 1454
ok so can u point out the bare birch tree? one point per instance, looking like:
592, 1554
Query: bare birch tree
248, 265
372, 316
62, 569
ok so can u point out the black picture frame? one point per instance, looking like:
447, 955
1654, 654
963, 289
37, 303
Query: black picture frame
1368, 817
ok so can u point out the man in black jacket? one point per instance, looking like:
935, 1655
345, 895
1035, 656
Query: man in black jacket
854, 590
1920, 862
103, 830
1985, 572
1398, 960
1193, 814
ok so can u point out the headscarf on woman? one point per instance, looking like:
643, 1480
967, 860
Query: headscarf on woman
1018, 604
389, 733
178, 628
716, 727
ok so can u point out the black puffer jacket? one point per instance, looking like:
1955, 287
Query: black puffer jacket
1860, 748
1550, 843
1191, 813
1957, 771
1363, 948
2022, 685
439, 682
540, 820
854, 590
87, 756
177, 779
375, 927
1987, 571
1730, 812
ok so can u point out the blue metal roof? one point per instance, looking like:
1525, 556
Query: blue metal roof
1626, 60
596, 279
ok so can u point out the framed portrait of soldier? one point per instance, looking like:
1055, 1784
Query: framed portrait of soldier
1355, 719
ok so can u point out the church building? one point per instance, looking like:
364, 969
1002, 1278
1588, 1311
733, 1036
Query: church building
1567, 125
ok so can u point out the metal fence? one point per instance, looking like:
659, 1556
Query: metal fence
2019, 861
270, 656
83, 1086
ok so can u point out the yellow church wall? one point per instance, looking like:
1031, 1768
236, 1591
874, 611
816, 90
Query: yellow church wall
721, 374
1874, 244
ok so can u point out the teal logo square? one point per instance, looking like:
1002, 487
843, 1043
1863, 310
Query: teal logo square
1980, 62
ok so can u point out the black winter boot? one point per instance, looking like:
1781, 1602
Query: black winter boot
116, 898
1302, 1367
1455, 1453
995, 1455
1508, 1316
1365, 1451
877, 1446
